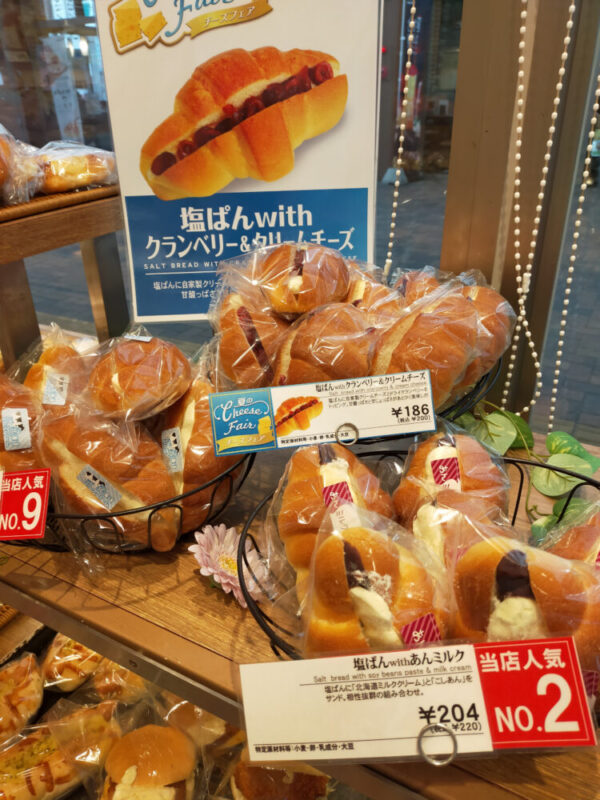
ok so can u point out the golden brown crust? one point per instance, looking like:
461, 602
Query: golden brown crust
60, 358
296, 413
415, 284
63, 172
479, 476
68, 663
298, 278
162, 755
262, 146
581, 543
250, 782
371, 296
21, 692
14, 395
137, 378
111, 681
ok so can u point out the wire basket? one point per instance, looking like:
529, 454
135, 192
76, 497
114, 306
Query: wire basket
101, 531
282, 625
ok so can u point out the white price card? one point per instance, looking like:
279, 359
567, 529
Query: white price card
375, 706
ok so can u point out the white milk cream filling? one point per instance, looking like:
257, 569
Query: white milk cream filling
516, 618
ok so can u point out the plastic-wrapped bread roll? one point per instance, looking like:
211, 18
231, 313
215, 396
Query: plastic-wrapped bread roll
111, 681
366, 591
331, 343
278, 781
370, 295
446, 468
99, 467
21, 693
310, 477
296, 278
438, 333
187, 443
242, 114
66, 166
580, 542
416, 283
249, 337
19, 411
67, 664
506, 590
138, 377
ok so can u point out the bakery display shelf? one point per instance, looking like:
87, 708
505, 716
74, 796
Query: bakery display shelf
154, 614
52, 221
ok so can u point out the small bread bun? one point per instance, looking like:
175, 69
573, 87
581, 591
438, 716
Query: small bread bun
437, 333
14, 395
507, 590
303, 508
276, 782
478, 475
250, 334
415, 284
136, 379
331, 343
297, 278
365, 589
161, 755
581, 543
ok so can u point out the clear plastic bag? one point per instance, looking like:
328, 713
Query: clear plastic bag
185, 434
137, 376
19, 412
373, 587
100, 467
111, 681
68, 664
69, 165
21, 694
250, 781
22, 175
577, 537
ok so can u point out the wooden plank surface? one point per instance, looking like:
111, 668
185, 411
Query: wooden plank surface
20, 630
26, 236
50, 202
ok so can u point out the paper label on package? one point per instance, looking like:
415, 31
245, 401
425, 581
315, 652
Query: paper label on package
15, 429
137, 338
56, 387
422, 630
171, 445
446, 472
317, 413
100, 487
340, 504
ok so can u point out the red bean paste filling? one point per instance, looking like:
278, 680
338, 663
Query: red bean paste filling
293, 413
326, 453
274, 93
512, 576
254, 342
298, 265
355, 569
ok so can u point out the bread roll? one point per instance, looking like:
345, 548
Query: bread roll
506, 590
19, 411
415, 284
204, 729
364, 590
148, 759
21, 692
278, 782
68, 664
70, 166
368, 294
249, 336
241, 115
581, 542
296, 278
446, 468
59, 375
303, 506
436, 333
331, 343
187, 442
99, 467
136, 378
111, 681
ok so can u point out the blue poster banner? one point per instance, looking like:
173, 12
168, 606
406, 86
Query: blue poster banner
176, 245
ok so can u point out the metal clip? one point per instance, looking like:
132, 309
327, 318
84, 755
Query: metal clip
346, 434
437, 761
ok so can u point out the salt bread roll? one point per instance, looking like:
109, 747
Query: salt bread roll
19, 410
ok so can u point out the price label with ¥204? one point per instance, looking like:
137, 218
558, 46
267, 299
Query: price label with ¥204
24, 504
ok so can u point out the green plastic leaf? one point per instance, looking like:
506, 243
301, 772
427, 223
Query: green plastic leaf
553, 484
561, 442
466, 421
524, 437
497, 431
541, 527
578, 507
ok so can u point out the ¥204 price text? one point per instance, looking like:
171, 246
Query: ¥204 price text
460, 718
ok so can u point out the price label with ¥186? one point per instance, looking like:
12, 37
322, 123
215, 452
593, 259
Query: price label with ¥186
24, 504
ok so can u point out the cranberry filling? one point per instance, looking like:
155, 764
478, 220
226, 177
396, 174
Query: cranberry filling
297, 411
254, 342
274, 93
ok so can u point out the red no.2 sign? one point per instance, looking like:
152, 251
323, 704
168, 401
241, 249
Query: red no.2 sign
24, 504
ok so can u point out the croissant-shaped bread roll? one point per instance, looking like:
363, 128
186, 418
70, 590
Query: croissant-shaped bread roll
241, 115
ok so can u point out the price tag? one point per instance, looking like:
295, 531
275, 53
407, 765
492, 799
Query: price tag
534, 694
317, 413
434, 702
24, 504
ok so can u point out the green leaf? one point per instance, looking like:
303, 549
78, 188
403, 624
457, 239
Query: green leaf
578, 507
524, 437
561, 442
553, 484
497, 431
541, 527
466, 421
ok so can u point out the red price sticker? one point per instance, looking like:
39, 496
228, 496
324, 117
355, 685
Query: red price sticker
24, 504
534, 694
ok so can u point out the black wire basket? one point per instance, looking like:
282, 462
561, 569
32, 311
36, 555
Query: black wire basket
102, 531
282, 624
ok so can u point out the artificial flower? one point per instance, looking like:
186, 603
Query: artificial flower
216, 553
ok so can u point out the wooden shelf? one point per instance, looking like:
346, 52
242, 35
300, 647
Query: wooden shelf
155, 614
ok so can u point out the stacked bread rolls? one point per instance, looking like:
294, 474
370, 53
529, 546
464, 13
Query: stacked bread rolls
300, 313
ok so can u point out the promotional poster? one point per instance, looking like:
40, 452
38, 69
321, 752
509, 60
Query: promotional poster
236, 125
